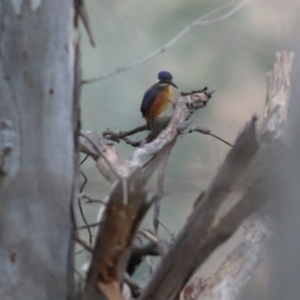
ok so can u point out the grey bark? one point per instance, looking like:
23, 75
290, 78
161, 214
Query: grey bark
38, 116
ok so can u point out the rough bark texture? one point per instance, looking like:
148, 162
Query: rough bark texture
37, 147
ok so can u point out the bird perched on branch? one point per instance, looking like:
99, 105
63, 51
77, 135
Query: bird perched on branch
158, 97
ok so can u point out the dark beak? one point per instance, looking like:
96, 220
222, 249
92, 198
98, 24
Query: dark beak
172, 83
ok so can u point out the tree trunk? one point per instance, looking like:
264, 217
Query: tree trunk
38, 121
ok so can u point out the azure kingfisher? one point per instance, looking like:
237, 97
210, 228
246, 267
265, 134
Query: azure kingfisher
158, 97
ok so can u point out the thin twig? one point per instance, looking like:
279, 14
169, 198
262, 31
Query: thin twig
82, 243
85, 180
100, 152
80, 251
122, 134
79, 274
91, 200
116, 136
202, 21
86, 157
166, 228
81, 280
89, 225
84, 220
207, 132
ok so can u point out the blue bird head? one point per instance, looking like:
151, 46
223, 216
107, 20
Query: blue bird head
166, 77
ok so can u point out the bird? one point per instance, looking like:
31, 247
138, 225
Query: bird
158, 97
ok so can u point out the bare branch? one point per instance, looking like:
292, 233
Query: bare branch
239, 183
205, 229
116, 135
166, 229
182, 112
103, 150
84, 220
85, 158
202, 21
83, 243
240, 265
205, 131
90, 200
112, 248
85, 180
89, 225
120, 232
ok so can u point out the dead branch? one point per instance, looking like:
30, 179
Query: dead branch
120, 221
85, 180
252, 250
239, 183
112, 248
85, 221
114, 135
83, 243
89, 200
182, 112
203, 231
166, 229
165, 127
240, 265
89, 225
206, 131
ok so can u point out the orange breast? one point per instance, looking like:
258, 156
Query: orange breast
161, 102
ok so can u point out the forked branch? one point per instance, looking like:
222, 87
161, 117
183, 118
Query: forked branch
240, 177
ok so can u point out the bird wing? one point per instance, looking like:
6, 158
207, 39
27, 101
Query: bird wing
149, 98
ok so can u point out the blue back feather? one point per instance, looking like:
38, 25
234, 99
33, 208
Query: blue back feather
149, 98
